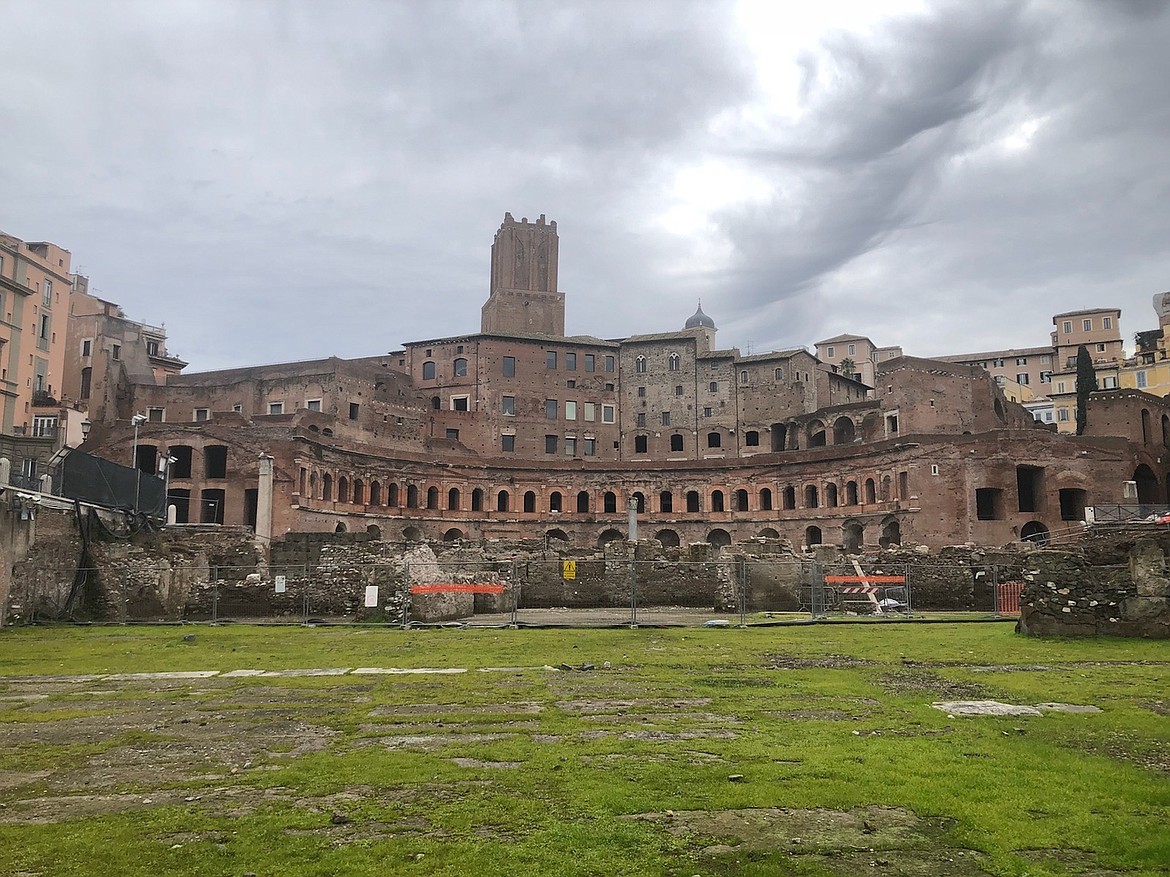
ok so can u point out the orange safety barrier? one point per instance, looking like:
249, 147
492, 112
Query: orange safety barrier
453, 588
858, 580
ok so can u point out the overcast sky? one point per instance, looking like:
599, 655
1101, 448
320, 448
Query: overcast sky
287, 180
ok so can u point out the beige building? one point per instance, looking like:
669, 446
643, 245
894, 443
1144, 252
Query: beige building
1030, 367
1099, 330
854, 354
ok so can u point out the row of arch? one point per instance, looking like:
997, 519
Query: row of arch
830, 494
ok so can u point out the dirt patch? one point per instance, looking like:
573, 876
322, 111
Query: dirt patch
489, 765
622, 706
457, 709
825, 662
825, 715
1072, 861
915, 680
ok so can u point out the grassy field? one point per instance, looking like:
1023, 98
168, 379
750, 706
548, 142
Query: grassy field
793, 750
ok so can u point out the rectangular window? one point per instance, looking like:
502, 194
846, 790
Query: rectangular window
313, 405
507, 443
1062, 414
590, 447
86, 347
1060, 387
152, 348
354, 409
852, 349
47, 293
550, 359
508, 405
1046, 377
1107, 323
1109, 383
276, 408
509, 366
44, 426
460, 403
1087, 325
570, 447
571, 384
1022, 378
666, 418
607, 414
1141, 379
570, 411
609, 363
570, 362
641, 420
156, 415
641, 392
590, 362
707, 412
116, 352
830, 352
201, 414
550, 444
1067, 326
1100, 348
713, 386
46, 322
590, 411
1021, 360
453, 434
678, 390
550, 409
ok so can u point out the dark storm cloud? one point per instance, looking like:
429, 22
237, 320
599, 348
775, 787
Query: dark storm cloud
286, 180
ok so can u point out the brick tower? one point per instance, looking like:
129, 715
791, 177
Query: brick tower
524, 297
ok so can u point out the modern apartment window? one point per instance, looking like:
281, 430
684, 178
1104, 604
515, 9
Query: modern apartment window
1021, 360
460, 368
152, 348
1062, 414
640, 365
707, 412
713, 386
675, 362
156, 415
46, 326
47, 293
508, 405
1067, 327
590, 411
1109, 383
570, 446
1046, 377
201, 414
570, 362
460, 403
507, 443
428, 371
550, 444
1060, 387
1141, 379
313, 405
1087, 325
607, 414
276, 408
609, 363
1022, 378
590, 362
1100, 348
44, 426
830, 352
1106, 322
509, 366
666, 418
86, 347
570, 411
641, 420
852, 349
550, 359
590, 447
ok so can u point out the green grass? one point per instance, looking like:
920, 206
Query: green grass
244, 775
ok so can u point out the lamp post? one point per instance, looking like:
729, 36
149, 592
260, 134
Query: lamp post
137, 420
85, 428
166, 463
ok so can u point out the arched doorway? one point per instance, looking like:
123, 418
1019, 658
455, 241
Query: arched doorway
1147, 484
843, 431
1034, 531
768, 533
668, 538
719, 537
453, 535
852, 537
812, 536
608, 536
891, 533
412, 534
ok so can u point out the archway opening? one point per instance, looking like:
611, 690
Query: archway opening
608, 536
453, 535
1034, 531
812, 536
719, 537
852, 537
668, 538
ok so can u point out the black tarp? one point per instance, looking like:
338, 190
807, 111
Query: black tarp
92, 479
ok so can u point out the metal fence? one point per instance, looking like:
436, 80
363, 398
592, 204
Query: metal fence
742, 591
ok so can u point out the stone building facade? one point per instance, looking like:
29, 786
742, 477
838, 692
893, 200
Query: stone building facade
521, 432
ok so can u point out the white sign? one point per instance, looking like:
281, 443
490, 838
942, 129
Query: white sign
371, 596
280, 580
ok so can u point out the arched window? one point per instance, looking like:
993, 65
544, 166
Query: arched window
502, 501
640, 502
812, 536
640, 442
327, 487
692, 500
529, 501
428, 371
436, 403
459, 368
741, 500
453, 499
412, 497
554, 501
790, 497
610, 501
850, 493
751, 438
831, 495
716, 500
810, 496
714, 440
743, 377
675, 362
343, 489
359, 492
640, 365
666, 501
392, 496
583, 502
676, 442
870, 491
375, 493
765, 499
432, 497
477, 500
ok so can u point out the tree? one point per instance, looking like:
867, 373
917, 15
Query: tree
848, 367
1086, 384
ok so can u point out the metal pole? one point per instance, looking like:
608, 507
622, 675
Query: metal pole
515, 596
137, 419
633, 592
909, 604
214, 594
405, 594
743, 577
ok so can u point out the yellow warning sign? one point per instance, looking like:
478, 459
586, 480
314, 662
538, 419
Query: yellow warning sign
569, 569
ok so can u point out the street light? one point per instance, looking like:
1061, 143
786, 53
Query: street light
85, 428
137, 420
166, 463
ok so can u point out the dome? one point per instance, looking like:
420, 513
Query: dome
699, 319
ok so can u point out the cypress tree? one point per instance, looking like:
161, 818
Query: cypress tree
1086, 384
